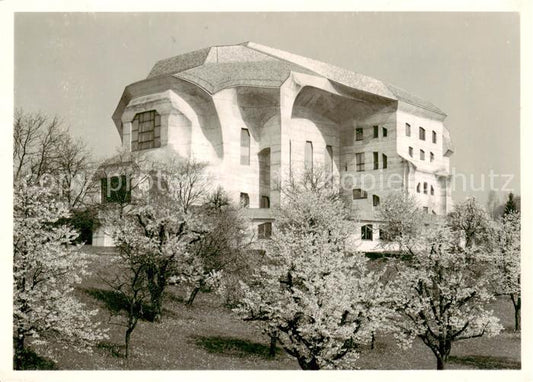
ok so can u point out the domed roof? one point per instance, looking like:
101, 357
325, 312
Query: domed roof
252, 64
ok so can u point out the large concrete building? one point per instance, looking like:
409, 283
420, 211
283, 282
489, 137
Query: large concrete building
256, 114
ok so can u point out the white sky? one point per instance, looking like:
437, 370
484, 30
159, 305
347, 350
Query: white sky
76, 65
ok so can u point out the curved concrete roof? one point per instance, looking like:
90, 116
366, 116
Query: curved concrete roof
251, 64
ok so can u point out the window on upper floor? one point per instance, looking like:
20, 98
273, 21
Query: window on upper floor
407, 130
360, 162
264, 230
410, 151
146, 131
422, 155
431, 157
434, 136
384, 131
376, 160
115, 189
308, 160
422, 133
245, 147
418, 187
384, 160
264, 202
359, 193
375, 200
432, 191
426, 210
245, 200
376, 131
359, 134
366, 232
425, 188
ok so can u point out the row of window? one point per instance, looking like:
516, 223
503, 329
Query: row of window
421, 133
425, 186
264, 201
359, 132
358, 193
422, 154
360, 161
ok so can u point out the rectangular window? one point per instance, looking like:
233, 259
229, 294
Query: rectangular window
265, 202
422, 133
146, 131
407, 130
375, 200
359, 134
425, 188
426, 210
432, 191
366, 232
329, 159
422, 155
359, 193
309, 156
434, 138
264, 230
410, 151
360, 162
245, 200
115, 189
245, 147
384, 132
376, 160
384, 160
376, 131
431, 157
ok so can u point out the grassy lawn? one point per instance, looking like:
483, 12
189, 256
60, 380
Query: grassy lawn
210, 336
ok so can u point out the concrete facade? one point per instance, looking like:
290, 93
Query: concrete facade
287, 104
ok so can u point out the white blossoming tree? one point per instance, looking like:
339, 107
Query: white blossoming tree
46, 267
507, 260
318, 299
442, 293
165, 193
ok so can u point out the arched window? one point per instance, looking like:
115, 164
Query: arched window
245, 200
375, 200
418, 187
366, 232
432, 191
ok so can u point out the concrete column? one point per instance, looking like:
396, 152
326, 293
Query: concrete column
126, 136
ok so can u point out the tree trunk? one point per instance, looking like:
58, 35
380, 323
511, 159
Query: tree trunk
373, 341
440, 363
192, 296
308, 365
272, 349
127, 340
18, 355
516, 305
155, 287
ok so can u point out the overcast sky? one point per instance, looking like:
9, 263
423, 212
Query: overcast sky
76, 65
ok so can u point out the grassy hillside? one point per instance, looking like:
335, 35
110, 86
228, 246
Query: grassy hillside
210, 336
